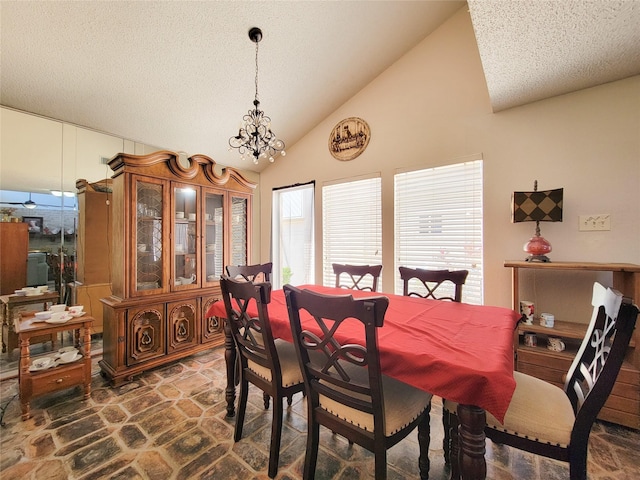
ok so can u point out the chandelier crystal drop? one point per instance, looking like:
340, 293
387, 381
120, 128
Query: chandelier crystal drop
255, 138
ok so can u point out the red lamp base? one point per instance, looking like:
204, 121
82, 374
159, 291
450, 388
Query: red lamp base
537, 248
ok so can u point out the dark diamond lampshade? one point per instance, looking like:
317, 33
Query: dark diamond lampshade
545, 206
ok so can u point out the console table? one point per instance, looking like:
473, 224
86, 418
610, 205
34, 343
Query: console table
11, 306
36, 383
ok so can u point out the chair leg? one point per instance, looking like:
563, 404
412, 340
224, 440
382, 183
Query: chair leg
311, 457
446, 441
289, 399
242, 407
266, 398
578, 462
424, 439
454, 447
276, 434
380, 463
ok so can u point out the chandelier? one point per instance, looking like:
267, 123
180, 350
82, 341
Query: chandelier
255, 137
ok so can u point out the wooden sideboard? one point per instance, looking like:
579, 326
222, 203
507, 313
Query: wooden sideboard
623, 405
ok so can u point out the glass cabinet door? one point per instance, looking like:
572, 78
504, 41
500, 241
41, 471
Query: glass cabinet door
185, 236
213, 236
147, 256
239, 230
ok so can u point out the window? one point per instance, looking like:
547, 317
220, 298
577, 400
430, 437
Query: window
292, 235
351, 225
438, 222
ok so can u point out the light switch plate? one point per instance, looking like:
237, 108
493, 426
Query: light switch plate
596, 222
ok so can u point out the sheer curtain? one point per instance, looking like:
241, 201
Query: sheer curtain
292, 245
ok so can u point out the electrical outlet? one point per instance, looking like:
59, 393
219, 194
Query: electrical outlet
593, 223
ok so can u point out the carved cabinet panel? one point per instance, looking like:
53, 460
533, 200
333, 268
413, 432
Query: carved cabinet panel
145, 333
183, 322
212, 327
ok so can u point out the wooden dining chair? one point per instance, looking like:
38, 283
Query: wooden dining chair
437, 285
420, 282
251, 273
345, 389
553, 422
269, 364
357, 277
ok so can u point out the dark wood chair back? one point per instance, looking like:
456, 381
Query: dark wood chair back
357, 277
269, 364
251, 273
343, 380
420, 282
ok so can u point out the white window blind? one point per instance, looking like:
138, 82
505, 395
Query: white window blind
351, 225
438, 222
292, 244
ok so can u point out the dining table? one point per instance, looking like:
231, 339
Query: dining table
458, 351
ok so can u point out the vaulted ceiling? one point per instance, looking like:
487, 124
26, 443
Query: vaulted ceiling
180, 74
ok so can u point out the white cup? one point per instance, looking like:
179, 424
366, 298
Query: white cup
142, 247
192, 216
548, 318
207, 216
60, 307
179, 214
75, 309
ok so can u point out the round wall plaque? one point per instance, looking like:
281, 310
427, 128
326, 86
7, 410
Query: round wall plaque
349, 138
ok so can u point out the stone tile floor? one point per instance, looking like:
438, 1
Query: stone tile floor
170, 423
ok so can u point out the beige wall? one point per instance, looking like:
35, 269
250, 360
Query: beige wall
432, 107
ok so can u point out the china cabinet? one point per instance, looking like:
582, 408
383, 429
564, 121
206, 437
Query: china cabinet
176, 223
623, 405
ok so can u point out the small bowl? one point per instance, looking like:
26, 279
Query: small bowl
60, 307
43, 315
20, 293
68, 356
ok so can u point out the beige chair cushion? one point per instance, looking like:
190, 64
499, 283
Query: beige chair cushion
289, 366
402, 404
538, 411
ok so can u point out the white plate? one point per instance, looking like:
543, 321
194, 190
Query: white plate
63, 319
78, 356
36, 368
79, 314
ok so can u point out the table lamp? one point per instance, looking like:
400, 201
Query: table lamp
544, 206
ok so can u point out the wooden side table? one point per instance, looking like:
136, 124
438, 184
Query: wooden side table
36, 383
11, 306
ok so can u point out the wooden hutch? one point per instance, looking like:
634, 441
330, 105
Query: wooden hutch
623, 405
175, 224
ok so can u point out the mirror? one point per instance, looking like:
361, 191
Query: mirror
40, 162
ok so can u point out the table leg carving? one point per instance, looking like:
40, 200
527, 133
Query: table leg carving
25, 386
471, 439
87, 357
230, 360
423, 442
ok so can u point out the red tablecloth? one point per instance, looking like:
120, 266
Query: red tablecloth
457, 351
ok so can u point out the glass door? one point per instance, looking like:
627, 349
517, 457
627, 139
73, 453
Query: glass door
186, 245
147, 249
213, 235
239, 235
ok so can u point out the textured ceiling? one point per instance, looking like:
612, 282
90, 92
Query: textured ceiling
180, 74
532, 50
